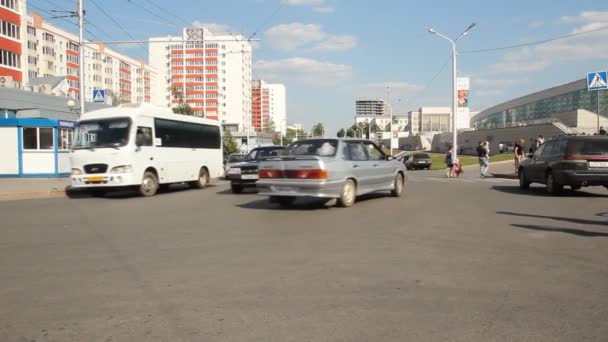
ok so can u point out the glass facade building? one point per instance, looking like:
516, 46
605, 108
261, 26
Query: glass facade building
541, 106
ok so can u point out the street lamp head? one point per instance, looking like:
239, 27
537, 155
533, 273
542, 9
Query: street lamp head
432, 31
71, 104
471, 26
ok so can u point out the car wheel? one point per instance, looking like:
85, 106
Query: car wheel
202, 181
349, 194
236, 189
523, 180
398, 186
149, 184
283, 201
553, 187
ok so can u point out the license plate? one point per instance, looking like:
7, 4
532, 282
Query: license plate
249, 176
598, 164
422, 162
94, 179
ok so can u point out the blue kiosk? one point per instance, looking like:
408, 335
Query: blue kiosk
35, 147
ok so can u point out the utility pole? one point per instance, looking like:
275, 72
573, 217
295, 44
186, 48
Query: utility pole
81, 53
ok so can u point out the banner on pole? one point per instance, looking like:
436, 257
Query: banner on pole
463, 85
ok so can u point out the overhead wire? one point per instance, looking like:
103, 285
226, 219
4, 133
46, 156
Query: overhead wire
267, 20
544, 41
152, 13
54, 16
166, 11
105, 13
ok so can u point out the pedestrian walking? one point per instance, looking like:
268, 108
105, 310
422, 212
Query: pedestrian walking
483, 153
501, 147
539, 141
448, 161
518, 151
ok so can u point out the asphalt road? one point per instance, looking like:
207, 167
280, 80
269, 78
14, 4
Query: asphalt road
453, 260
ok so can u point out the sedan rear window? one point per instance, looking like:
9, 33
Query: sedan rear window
421, 156
588, 147
320, 148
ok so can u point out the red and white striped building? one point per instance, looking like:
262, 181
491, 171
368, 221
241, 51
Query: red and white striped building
30, 48
210, 72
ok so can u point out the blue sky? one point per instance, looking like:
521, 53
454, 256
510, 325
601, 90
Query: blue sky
330, 52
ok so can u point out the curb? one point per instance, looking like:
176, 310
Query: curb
15, 196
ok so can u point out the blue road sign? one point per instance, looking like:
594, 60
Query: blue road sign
597, 80
99, 95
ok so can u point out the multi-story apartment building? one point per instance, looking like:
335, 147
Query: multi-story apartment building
53, 51
31, 48
210, 72
370, 107
12, 15
269, 106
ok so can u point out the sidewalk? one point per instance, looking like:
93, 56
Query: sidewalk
28, 188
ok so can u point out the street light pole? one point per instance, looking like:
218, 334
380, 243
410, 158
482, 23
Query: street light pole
390, 107
454, 85
81, 53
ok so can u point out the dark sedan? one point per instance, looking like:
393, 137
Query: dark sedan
574, 161
418, 161
245, 174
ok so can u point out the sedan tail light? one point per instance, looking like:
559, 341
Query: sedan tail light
293, 174
307, 174
270, 174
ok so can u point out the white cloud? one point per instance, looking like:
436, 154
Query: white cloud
215, 28
580, 48
289, 37
396, 85
303, 70
337, 43
324, 9
303, 2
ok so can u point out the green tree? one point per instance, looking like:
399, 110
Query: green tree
351, 133
341, 133
269, 127
182, 107
229, 144
318, 130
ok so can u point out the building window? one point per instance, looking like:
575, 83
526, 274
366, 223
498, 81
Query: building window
38, 138
9, 29
10, 59
32, 60
31, 30
11, 4
48, 37
32, 74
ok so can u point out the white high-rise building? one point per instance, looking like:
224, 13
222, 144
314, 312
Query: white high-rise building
210, 72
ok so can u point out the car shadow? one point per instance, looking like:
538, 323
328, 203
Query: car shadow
307, 203
130, 193
246, 191
556, 218
572, 231
541, 192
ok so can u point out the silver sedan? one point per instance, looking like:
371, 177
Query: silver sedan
330, 168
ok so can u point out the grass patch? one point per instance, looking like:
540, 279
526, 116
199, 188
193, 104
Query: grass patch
438, 163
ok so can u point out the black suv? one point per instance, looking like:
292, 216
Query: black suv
245, 174
575, 161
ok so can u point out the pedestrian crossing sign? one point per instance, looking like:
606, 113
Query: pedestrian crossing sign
597, 80
99, 95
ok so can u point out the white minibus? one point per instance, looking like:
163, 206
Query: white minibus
145, 147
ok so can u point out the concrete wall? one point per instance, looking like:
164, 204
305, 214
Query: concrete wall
587, 121
468, 140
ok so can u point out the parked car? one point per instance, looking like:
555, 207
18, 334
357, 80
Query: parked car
417, 161
330, 168
575, 161
232, 160
245, 174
